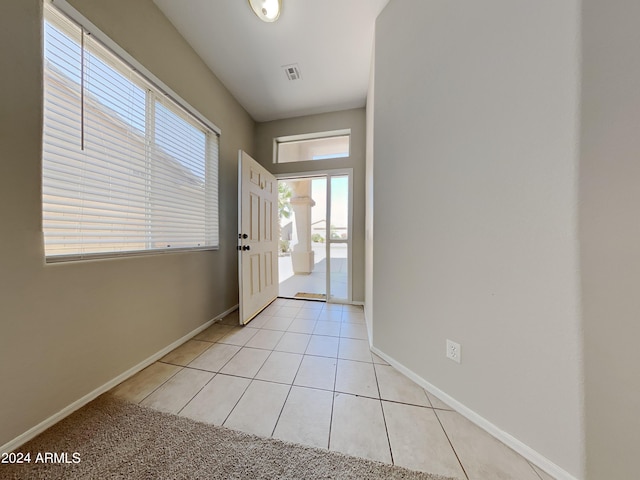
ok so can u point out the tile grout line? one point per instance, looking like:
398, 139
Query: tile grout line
428, 398
197, 393
385, 399
246, 388
253, 378
451, 443
198, 355
162, 384
287, 397
384, 418
219, 342
534, 470
232, 357
176, 365
218, 372
312, 387
237, 401
261, 365
333, 397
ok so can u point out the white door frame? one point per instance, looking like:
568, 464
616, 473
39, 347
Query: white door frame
328, 174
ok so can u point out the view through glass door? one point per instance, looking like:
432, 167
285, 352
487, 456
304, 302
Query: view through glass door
338, 238
314, 247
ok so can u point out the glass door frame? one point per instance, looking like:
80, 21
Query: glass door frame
328, 174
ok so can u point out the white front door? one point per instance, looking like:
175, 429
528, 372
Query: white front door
257, 238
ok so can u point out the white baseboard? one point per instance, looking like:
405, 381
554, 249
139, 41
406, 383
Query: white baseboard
527, 452
68, 410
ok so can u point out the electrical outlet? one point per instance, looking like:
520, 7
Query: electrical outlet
453, 351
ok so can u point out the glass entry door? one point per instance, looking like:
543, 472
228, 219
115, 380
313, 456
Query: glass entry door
338, 238
315, 236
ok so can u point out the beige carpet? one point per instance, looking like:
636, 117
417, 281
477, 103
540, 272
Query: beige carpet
119, 440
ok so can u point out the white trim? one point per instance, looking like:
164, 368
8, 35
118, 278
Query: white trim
77, 17
345, 132
348, 241
314, 173
350, 244
69, 409
369, 323
84, 257
327, 243
527, 452
238, 241
313, 136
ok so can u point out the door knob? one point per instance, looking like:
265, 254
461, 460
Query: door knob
245, 236
246, 247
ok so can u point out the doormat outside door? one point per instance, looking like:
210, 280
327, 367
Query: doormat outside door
315, 296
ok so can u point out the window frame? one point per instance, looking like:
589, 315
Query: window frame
159, 92
310, 136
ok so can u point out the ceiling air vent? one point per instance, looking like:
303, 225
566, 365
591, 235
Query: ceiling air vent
292, 71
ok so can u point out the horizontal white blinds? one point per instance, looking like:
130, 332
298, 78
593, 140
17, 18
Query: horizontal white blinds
125, 169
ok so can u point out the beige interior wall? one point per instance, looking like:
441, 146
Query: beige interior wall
475, 192
353, 119
610, 235
66, 329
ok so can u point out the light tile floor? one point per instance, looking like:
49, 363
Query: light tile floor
302, 371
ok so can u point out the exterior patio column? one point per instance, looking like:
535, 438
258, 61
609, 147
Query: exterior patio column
301, 202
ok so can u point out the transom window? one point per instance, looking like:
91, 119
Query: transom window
126, 169
314, 146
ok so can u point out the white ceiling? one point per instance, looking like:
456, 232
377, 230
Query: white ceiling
330, 40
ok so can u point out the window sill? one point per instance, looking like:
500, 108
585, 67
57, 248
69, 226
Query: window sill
104, 256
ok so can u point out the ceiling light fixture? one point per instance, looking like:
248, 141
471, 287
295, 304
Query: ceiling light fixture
266, 10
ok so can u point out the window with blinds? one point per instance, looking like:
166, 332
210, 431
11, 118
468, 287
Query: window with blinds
125, 168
